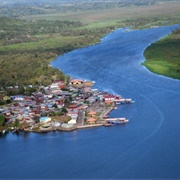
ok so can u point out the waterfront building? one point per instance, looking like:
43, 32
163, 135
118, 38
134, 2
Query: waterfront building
45, 119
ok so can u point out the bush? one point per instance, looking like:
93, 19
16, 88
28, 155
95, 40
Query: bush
2, 103
2, 120
8, 101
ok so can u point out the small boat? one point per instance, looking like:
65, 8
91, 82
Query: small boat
107, 124
122, 122
4, 131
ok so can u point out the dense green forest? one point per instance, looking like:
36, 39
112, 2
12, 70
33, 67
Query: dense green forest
163, 57
30, 39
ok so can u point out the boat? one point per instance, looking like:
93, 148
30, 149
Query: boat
118, 121
107, 124
121, 121
4, 131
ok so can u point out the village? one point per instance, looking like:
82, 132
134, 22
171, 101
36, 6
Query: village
61, 107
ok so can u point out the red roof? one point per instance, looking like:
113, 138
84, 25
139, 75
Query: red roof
109, 96
76, 80
92, 113
91, 120
73, 105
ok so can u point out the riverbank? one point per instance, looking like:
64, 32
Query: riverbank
163, 56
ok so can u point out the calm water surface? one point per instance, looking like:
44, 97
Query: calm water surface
146, 147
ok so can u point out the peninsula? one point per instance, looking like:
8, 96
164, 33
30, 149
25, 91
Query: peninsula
61, 107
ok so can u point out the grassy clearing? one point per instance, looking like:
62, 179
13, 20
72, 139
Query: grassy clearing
163, 57
95, 25
44, 44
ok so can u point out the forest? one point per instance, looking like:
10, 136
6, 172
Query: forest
29, 40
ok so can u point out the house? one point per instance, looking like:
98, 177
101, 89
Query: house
2, 95
92, 99
73, 106
91, 120
88, 83
56, 124
76, 82
5, 98
65, 125
45, 119
62, 84
108, 102
73, 114
17, 98
82, 107
87, 89
109, 97
92, 113
72, 121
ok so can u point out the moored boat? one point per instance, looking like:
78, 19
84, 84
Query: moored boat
107, 124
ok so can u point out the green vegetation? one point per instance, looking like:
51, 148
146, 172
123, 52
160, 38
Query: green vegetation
16, 123
25, 56
163, 57
2, 120
44, 31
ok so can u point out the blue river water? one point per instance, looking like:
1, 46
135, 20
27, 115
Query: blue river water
148, 146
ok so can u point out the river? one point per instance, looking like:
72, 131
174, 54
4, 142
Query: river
146, 147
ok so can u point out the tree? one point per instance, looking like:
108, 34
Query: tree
8, 101
36, 119
64, 110
52, 113
55, 105
16, 123
21, 90
86, 113
2, 120
59, 113
67, 79
66, 102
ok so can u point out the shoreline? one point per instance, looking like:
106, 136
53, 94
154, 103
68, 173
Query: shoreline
158, 63
52, 129
143, 63
67, 129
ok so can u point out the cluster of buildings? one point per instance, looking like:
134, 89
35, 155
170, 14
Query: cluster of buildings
59, 105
